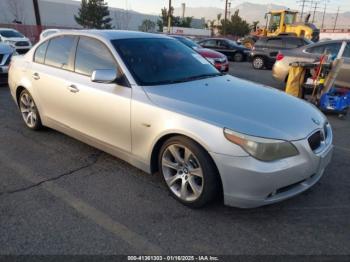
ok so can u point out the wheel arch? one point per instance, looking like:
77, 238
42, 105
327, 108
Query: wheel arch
19, 90
161, 140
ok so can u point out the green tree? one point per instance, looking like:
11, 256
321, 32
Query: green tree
175, 20
235, 26
147, 26
93, 14
186, 22
254, 26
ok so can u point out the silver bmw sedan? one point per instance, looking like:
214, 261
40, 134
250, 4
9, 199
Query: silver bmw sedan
163, 108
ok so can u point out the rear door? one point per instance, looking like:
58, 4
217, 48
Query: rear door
274, 45
52, 67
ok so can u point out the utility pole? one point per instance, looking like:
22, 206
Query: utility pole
169, 17
225, 20
315, 8
324, 13
37, 12
336, 19
302, 9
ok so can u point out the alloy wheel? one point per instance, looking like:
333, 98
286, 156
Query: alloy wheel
28, 110
258, 63
182, 172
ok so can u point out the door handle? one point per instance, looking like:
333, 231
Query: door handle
36, 76
73, 88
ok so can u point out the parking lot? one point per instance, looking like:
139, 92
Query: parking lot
60, 196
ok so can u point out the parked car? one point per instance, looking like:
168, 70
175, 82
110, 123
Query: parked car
6, 52
265, 50
229, 48
15, 39
311, 53
219, 60
48, 32
151, 101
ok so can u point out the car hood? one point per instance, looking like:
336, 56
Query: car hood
209, 53
240, 105
5, 49
17, 39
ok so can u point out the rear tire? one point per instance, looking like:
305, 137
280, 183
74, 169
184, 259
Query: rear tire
188, 172
29, 111
258, 62
238, 57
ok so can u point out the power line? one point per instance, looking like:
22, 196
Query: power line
302, 4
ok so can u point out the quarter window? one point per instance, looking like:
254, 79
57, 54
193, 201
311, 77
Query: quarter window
91, 55
39, 56
59, 50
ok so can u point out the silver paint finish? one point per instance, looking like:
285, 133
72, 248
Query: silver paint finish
129, 121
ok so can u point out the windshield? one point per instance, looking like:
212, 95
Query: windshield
188, 42
10, 33
157, 61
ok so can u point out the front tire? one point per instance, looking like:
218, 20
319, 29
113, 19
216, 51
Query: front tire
188, 171
29, 111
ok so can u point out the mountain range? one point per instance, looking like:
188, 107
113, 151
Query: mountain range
256, 12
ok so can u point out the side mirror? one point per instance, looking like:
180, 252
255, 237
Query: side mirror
104, 75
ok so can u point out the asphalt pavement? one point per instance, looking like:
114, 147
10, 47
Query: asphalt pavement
60, 196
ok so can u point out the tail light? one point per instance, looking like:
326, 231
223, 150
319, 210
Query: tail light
279, 56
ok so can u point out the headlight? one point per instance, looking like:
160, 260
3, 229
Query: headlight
262, 148
10, 42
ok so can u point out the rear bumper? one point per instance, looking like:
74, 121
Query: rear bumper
280, 71
222, 67
249, 183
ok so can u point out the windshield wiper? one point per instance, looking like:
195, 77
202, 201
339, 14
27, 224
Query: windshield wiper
198, 77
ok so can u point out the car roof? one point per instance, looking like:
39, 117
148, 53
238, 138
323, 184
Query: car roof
113, 34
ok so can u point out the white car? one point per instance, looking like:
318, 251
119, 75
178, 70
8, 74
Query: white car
48, 32
15, 39
161, 106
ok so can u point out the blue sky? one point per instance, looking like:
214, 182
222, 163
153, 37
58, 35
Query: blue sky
153, 6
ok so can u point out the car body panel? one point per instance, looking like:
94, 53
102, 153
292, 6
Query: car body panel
263, 47
225, 108
6, 53
129, 121
227, 51
281, 67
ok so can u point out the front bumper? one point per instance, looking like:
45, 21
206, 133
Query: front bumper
249, 183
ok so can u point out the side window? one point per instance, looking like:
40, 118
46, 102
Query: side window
223, 44
91, 55
59, 50
347, 51
333, 48
210, 43
39, 56
319, 49
274, 42
293, 42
